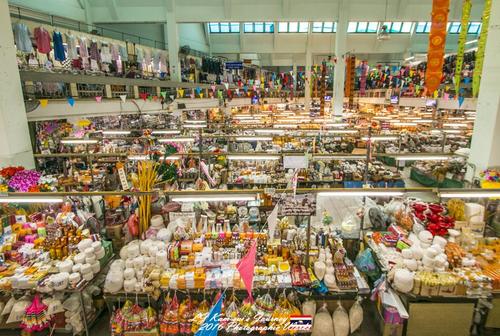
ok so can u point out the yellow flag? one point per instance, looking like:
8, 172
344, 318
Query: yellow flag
201, 94
43, 102
180, 93
436, 94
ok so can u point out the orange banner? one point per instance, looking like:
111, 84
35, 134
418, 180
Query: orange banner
437, 41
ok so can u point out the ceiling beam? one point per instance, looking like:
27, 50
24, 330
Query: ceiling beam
112, 9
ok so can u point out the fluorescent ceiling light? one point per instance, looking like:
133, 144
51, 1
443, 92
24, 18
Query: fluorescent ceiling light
284, 126
421, 157
367, 192
341, 131
425, 121
471, 41
31, 199
115, 132
253, 138
269, 131
176, 140
195, 126
452, 131
78, 141
138, 157
409, 58
456, 118
250, 121
335, 125
381, 138
404, 124
476, 194
254, 157
240, 117
339, 157
454, 125
166, 132
195, 121
213, 198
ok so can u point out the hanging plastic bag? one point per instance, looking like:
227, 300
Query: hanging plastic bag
340, 321
322, 325
356, 315
365, 263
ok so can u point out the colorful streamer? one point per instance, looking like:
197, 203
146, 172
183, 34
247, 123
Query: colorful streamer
462, 38
478, 69
437, 41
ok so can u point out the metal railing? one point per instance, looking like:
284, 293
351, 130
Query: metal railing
23, 13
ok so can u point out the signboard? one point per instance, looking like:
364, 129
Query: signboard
298, 205
295, 161
394, 99
247, 61
237, 65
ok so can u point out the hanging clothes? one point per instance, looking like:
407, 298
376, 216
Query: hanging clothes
105, 53
84, 52
123, 53
22, 38
71, 46
163, 61
140, 56
59, 54
147, 57
156, 60
42, 38
114, 52
94, 51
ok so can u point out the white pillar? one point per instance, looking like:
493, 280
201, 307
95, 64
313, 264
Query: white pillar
15, 144
307, 84
486, 137
173, 42
339, 70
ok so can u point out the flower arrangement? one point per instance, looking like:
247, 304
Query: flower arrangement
490, 175
23, 180
10, 171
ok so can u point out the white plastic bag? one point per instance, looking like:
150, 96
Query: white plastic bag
322, 325
8, 306
341, 321
309, 308
356, 315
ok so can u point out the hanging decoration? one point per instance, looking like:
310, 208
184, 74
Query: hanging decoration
98, 99
481, 46
123, 98
362, 78
43, 102
437, 41
213, 88
246, 268
210, 326
466, 7
143, 96
163, 94
201, 94
461, 100
71, 101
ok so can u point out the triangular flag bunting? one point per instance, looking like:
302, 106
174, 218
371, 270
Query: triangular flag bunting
71, 101
143, 96
163, 94
201, 94
43, 102
98, 99
172, 97
460, 101
226, 85
213, 87
180, 93
210, 326
246, 268
123, 98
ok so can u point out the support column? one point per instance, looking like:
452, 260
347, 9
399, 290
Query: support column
340, 50
170, 31
486, 136
15, 143
307, 84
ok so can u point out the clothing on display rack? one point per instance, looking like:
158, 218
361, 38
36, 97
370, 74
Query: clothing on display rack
94, 51
212, 65
114, 51
123, 53
22, 38
105, 53
59, 54
84, 53
42, 38
71, 46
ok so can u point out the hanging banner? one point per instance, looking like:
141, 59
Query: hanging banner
246, 268
437, 41
481, 46
466, 7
